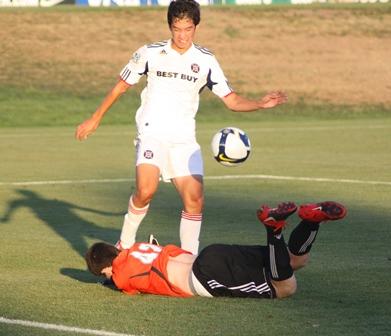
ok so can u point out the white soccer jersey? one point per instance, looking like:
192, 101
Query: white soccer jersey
170, 100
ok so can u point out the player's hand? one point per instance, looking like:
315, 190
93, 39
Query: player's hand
84, 130
274, 98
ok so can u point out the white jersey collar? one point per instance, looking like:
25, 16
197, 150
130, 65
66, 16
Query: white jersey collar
171, 49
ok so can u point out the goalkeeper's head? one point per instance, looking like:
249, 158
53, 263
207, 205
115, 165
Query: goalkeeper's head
99, 256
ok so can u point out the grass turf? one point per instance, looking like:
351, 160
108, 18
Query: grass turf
32, 107
45, 230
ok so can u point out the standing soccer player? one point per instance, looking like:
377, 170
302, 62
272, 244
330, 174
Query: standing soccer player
177, 71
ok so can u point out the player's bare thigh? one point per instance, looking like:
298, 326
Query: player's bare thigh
179, 269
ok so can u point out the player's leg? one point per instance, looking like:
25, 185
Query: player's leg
274, 220
190, 188
147, 180
303, 236
185, 169
150, 157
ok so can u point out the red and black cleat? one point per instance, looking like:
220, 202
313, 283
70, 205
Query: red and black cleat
275, 218
324, 211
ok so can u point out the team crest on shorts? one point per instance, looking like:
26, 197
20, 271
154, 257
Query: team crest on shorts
195, 68
148, 154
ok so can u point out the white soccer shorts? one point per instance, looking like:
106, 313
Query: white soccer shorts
173, 159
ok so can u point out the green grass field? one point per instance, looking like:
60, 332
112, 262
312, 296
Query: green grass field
58, 196
46, 228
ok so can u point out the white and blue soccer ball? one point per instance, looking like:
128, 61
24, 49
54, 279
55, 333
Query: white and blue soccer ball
231, 146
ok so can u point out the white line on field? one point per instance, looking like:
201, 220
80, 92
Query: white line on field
89, 181
60, 327
296, 178
221, 177
315, 128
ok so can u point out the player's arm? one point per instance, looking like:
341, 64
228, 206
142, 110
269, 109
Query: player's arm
90, 125
241, 104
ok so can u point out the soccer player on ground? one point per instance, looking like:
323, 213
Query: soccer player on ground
177, 71
219, 270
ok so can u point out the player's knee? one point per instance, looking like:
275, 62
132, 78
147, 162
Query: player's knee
292, 287
286, 287
142, 197
194, 204
298, 262
199, 202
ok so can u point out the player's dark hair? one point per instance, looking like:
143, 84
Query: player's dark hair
180, 9
100, 256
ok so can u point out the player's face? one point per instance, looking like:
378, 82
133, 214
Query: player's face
182, 31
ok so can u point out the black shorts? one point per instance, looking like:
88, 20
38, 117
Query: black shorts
233, 270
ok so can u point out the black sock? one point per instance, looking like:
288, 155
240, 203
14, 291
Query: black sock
302, 237
279, 259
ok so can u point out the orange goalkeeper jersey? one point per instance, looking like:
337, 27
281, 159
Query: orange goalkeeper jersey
143, 269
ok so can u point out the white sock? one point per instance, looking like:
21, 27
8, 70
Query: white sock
132, 221
189, 231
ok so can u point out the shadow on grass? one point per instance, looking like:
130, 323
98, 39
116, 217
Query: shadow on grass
62, 218
79, 275
86, 277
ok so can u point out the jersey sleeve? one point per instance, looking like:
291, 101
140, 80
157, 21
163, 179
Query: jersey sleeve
216, 81
136, 67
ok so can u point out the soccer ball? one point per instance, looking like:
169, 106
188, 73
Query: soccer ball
231, 146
